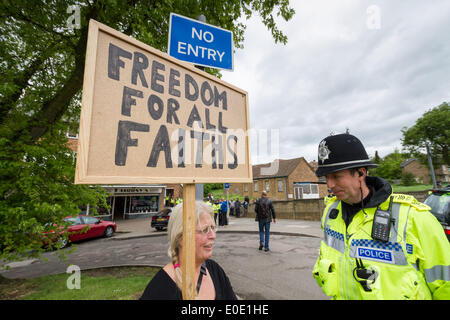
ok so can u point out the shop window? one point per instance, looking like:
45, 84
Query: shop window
142, 204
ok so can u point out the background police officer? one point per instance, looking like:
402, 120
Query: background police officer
377, 245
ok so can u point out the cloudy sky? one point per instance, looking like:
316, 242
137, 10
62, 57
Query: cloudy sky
370, 66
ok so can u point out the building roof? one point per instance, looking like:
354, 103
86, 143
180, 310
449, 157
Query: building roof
285, 168
407, 162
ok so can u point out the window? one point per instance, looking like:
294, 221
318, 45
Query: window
298, 193
267, 185
306, 190
73, 221
90, 220
255, 184
142, 204
72, 133
245, 187
280, 186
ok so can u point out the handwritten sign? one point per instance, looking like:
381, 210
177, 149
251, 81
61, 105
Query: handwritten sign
149, 118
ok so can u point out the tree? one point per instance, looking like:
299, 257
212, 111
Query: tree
377, 158
41, 76
408, 179
389, 167
433, 127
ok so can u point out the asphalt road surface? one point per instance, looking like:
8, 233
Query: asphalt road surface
283, 273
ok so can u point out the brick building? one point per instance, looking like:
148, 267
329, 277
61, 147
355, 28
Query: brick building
418, 170
422, 173
283, 180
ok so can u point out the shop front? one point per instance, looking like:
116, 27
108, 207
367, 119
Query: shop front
132, 202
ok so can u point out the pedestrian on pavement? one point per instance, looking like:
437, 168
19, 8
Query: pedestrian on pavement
212, 282
245, 205
223, 221
216, 207
237, 208
377, 244
264, 214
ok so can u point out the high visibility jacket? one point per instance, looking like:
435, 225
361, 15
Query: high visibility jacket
326, 199
413, 264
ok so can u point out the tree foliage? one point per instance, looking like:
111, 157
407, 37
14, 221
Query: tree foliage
433, 127
389, 167
41, 75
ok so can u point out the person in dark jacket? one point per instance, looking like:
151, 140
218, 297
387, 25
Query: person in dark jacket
264, 214
237, 208
223, 221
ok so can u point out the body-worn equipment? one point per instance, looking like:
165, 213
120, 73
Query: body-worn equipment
414, 262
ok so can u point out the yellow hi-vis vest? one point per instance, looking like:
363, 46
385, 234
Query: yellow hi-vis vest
413, 264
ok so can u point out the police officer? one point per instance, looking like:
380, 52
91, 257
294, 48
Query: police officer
377, 245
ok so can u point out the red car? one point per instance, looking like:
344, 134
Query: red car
81, 228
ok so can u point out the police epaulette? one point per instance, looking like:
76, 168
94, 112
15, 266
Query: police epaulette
405, 198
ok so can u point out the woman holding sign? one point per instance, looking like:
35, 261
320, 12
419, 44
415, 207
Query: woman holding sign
212, 282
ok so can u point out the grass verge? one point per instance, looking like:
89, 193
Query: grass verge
419, 187
120, 283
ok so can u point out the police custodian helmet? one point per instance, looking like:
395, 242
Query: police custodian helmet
340, 152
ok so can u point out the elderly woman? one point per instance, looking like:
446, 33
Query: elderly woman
212, 282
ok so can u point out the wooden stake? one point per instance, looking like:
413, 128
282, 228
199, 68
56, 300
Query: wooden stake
189, 225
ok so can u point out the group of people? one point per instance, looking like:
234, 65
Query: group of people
376, 244
220, 209
171, 202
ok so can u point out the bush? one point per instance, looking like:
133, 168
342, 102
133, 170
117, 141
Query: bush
209, 187
408, 179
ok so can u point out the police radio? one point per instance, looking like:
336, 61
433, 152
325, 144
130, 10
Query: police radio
381, 224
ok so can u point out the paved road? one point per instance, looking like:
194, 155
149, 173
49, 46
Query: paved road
282, 273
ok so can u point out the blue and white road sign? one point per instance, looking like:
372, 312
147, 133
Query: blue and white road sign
200, 43
226, 186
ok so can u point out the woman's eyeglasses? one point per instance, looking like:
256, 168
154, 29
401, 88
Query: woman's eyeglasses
206, 230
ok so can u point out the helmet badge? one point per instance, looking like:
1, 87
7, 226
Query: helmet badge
324, 152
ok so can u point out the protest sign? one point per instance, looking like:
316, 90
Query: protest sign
149, 118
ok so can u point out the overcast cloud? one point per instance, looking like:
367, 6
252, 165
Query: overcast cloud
370, 66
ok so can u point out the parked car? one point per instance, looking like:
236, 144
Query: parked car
160, 220
79, 228
439, 201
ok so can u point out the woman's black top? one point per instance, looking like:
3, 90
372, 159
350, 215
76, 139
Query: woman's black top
162, 287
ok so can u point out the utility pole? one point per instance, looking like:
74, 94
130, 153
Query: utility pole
430, 163
199, 189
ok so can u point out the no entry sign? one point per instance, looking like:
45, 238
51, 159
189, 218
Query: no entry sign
200, 43
149, 118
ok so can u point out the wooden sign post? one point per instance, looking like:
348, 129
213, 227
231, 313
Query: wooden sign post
189, 226
149, 118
